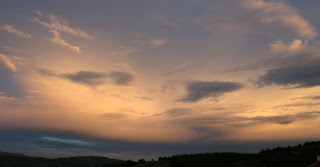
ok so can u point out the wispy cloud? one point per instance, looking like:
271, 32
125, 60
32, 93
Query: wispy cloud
280, 47
59, 41
145, 98
178, 111
6, 64
242, 121
284, 119
275, 18
15, 31
57, 142
124, 51
112, 115
280, 15
62, 25
56, 25
6, 99
157, 42
9, 48
180, 68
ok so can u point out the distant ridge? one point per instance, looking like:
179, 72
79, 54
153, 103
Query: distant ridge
19, 160
11, 154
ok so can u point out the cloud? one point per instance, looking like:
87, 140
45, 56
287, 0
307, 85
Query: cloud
157, 42
286, 119
280, 47
6, 64
55, 142
59, 41
121, 78
92, 78
207, 132
299, 104
178, 111
15, 31
89, 78
113, 115
47, 72
304, 57
8, 48
56, 25
240, 121
298, 75
6, 99
279, 15
61, 25
259, 16
315, 97
145, 98
198, 90
180, 68
124, 51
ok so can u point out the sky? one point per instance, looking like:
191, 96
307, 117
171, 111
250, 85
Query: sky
142, 79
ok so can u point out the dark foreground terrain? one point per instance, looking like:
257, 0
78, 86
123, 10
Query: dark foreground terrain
298, 156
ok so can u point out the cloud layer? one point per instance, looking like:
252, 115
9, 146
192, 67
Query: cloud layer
57, 25
178, 111
300, 75
280, 47
62, 25
15, 31
6, 64
59, 41
260, 16
279, 15
198, 90
93, 78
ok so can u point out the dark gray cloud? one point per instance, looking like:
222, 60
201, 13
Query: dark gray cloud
307, 97
276, 62
287, 119
92, 78
46, 72
315, 97
299, 75
89, 78
299, 104
198, 90
238, 121
145, 98
299, 70
178, 111
121, 78
207, 132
